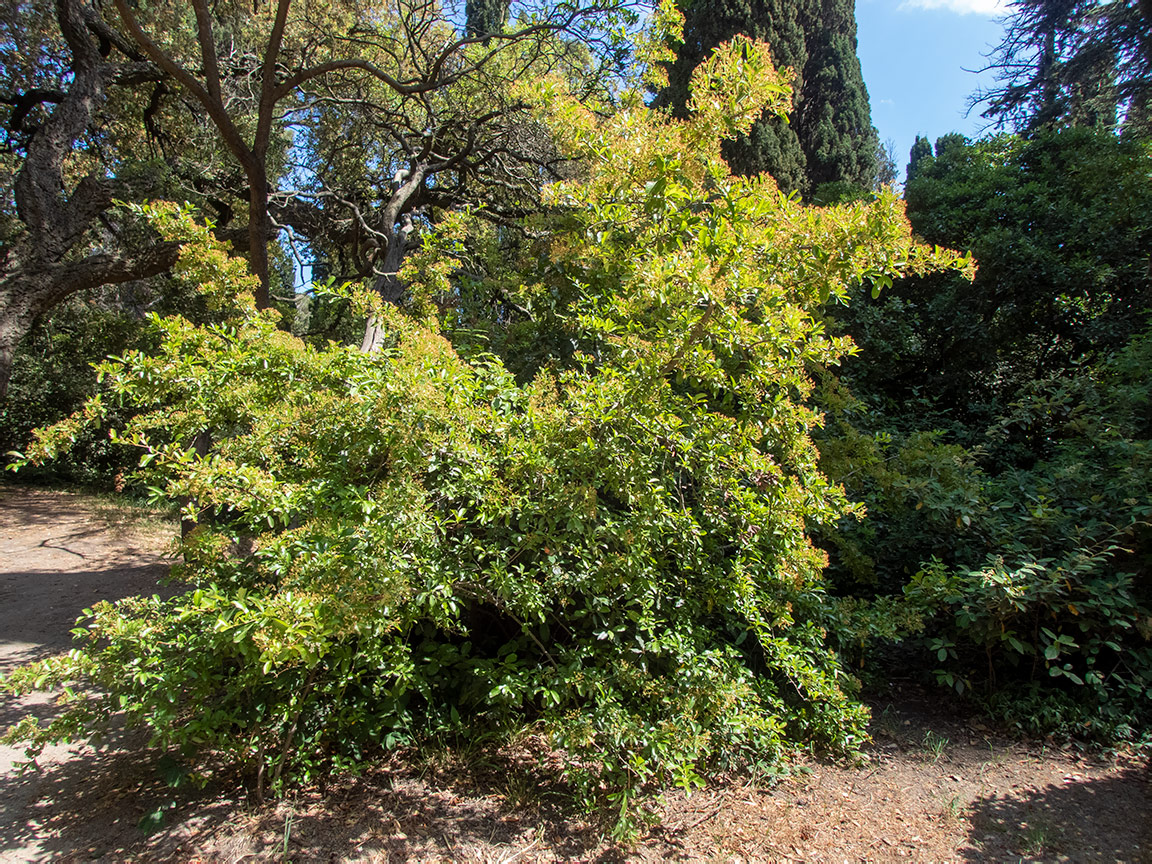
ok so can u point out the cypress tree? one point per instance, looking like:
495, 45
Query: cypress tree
830, 138
921, 150
834, 119
772, 145
485, 17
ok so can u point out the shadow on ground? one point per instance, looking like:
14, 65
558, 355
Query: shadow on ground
40, 608
91, 808
1084, 820
29, 506
455, 814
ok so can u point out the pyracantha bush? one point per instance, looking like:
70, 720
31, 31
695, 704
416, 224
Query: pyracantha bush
409, 542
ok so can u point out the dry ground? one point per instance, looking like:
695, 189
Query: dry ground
939, 786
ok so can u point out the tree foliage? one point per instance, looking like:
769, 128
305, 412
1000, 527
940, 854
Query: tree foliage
1060, 226
210, 103
485, 17
995, 435
331, 150
56, 192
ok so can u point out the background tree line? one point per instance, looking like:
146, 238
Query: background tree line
998, 429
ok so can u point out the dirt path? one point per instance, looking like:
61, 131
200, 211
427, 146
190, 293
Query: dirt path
59, 553
937, 788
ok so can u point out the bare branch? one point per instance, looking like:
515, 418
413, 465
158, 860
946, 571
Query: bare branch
23, 103
208, 49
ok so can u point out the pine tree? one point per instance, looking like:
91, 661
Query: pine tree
830, 138
1073, 63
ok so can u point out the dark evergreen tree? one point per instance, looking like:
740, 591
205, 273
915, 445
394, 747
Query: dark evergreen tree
996, 428
834, 119
772, 145
485, 17
830, 138
921, 150
1060, 222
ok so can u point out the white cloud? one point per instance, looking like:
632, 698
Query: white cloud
960, 7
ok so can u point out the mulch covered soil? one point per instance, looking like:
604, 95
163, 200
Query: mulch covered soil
937, 786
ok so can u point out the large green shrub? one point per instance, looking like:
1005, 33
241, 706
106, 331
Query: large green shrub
411, 542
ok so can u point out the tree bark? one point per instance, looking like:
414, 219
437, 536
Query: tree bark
252, 159
42, 267
258, 231
398, 227
27, 294
388, 284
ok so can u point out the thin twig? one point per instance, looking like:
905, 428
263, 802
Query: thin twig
704, 818
292, 729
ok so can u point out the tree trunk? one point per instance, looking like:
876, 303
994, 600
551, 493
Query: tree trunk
388, 284
258, 229
1146, 11
42, 267
1050, 85
201, 444
13, 327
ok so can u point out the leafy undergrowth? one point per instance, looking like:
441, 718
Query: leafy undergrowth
429, 540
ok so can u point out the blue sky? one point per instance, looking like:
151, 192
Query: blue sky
913, 54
